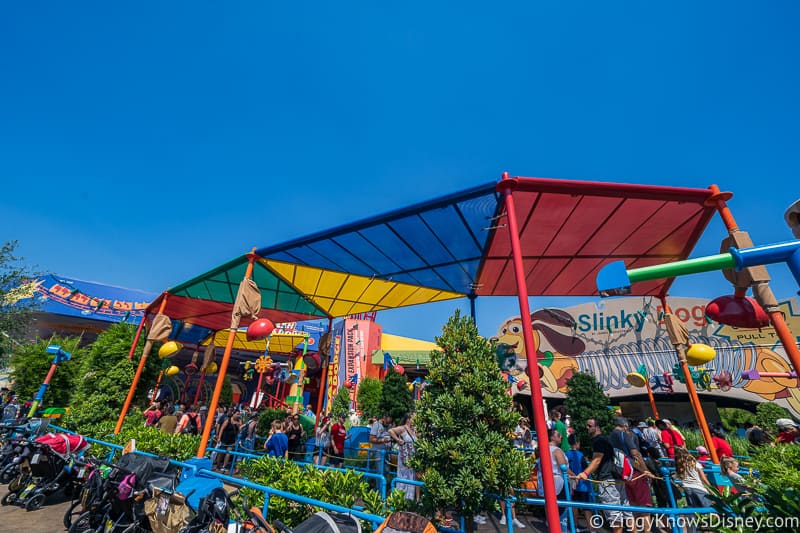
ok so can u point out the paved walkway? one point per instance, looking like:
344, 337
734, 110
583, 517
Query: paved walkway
48, 519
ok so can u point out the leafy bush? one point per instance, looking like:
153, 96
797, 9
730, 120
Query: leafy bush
775, 493
31, 363
345, 488
734, 418
694, 438
104, 378
767, 413
585, 400
265, 419
369, 397
396, 399
341, 402
462, 421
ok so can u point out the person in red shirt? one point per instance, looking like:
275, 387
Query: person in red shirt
669, 438
789, 432
720, 444
338, 436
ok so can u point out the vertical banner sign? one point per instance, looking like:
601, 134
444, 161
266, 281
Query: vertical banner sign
333, 371
352, 363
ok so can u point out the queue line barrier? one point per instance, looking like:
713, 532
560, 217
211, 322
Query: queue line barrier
268, 492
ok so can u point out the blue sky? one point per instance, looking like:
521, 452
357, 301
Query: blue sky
129, 134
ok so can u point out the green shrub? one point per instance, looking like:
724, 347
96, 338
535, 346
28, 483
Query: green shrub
585, 400
369, 397
767, 413
775, 492
345, 488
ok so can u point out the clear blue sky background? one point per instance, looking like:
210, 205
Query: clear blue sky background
131, 134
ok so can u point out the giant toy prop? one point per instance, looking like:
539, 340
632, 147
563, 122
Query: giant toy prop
743, 265
59, 356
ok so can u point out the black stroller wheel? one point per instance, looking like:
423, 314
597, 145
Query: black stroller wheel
86, 522
10, 498
34, 502
9, 472
72, 514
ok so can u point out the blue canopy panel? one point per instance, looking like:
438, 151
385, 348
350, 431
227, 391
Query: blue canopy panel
437, 244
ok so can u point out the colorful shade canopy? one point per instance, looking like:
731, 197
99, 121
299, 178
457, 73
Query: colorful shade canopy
456, 246
278, 342
404, 350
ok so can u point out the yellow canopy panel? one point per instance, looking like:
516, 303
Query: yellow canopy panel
340, 294
404, 350
278, 342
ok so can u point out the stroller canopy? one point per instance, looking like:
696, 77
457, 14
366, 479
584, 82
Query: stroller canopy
63, 444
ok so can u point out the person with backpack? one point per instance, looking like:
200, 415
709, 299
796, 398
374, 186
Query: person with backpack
637, 488
189, 423
610, 487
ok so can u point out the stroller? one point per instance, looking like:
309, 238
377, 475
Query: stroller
131, 480
323, 522
46, 467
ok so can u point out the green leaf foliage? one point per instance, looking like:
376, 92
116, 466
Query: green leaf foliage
767, 413
369, 397
586, 399
30, 366
733, 417
16, 310
463, 421
105, 376
341, 402
395, 398
774, 493
345, 488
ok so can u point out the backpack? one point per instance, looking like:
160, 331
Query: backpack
622, 466
192, 427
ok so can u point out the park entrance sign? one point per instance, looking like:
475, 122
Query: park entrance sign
613, 338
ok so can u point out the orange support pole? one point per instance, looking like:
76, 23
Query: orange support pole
223, 368
142, 361
136, 338
652, 400
505, 187
694, 399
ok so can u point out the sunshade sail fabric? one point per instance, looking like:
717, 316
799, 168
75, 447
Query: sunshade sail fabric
278, 342
341, 294
459, 245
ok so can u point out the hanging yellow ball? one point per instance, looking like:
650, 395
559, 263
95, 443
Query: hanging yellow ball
171, 371
700, 354
212, 368
169, 348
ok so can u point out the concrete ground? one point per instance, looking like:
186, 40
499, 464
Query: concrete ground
48, 519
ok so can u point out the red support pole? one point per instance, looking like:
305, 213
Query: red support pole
505, 187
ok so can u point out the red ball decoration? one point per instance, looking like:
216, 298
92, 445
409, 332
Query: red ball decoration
399, 369
737, 312
260, 329
348, 384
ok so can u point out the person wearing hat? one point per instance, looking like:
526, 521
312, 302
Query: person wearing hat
719, 443
788, 431
702, 454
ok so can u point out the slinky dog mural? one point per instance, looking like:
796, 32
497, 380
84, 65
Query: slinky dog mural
618, 336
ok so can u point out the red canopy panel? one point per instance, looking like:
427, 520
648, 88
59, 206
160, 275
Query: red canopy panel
215, 315
570, 229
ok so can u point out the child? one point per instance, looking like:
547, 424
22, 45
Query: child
702, 454
580, 490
